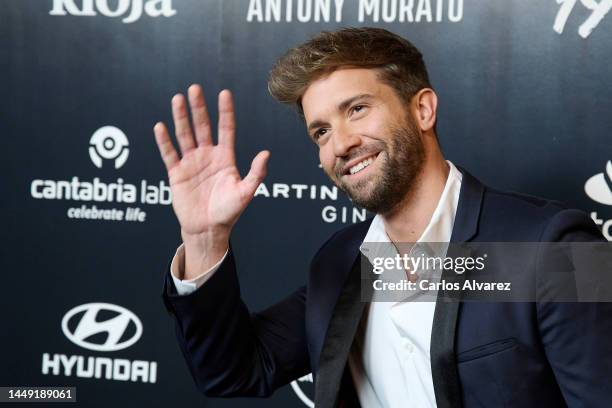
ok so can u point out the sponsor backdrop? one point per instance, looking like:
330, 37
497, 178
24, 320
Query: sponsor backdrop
525, 97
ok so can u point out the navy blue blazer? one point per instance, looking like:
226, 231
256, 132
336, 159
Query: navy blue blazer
503, 354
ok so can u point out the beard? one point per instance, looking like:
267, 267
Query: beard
400, 161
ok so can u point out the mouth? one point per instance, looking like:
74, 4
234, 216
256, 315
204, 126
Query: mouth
359, 166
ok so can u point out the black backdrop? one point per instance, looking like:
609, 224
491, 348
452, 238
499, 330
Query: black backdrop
525, 104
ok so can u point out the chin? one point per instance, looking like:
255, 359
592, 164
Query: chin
366, 200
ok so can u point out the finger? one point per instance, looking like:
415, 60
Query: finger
227, 120
199, 113
166, 149
181, 124
259, 169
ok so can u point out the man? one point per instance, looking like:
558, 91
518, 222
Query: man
366, 99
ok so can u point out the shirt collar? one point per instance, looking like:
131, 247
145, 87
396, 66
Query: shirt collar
440, 226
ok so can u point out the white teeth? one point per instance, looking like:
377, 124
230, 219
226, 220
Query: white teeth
361, 165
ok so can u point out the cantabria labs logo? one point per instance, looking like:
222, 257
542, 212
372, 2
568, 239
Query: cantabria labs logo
130, 10
303, 388
599, 189
108, 148
100, 327
599, 9
109, 143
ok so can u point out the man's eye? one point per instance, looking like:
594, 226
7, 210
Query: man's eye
319, 133
357, 108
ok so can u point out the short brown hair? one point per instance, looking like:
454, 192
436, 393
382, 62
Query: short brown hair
400, 62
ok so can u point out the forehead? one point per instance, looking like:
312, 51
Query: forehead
325, 93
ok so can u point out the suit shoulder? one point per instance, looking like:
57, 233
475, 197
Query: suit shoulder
520, 202
526, 217
345, 240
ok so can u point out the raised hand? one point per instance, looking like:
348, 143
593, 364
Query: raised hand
208, 194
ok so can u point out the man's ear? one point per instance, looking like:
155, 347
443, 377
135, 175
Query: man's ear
425, 104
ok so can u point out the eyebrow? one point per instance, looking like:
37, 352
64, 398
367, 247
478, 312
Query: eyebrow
342, 106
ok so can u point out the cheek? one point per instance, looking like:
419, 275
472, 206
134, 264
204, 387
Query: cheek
327, 158
374, 126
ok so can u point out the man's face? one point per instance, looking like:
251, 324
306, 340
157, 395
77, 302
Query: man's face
369, 144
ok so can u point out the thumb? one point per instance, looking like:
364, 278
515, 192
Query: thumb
259, 169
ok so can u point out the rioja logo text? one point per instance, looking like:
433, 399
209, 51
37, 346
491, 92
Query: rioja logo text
131, 9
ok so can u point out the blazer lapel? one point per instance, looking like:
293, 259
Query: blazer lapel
447, 387
341, 332
349, 309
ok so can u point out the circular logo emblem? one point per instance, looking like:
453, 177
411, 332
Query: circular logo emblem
599, 187
304, 389
101, 327
109, 143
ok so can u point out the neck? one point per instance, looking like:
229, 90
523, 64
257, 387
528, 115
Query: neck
408, 220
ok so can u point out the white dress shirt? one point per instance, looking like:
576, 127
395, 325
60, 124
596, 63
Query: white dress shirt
389, 360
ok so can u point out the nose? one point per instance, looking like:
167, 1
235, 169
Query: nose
344, 140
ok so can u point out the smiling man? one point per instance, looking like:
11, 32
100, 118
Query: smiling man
367, 103
370, 144
373, 151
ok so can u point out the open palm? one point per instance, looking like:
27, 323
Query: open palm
207, 190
